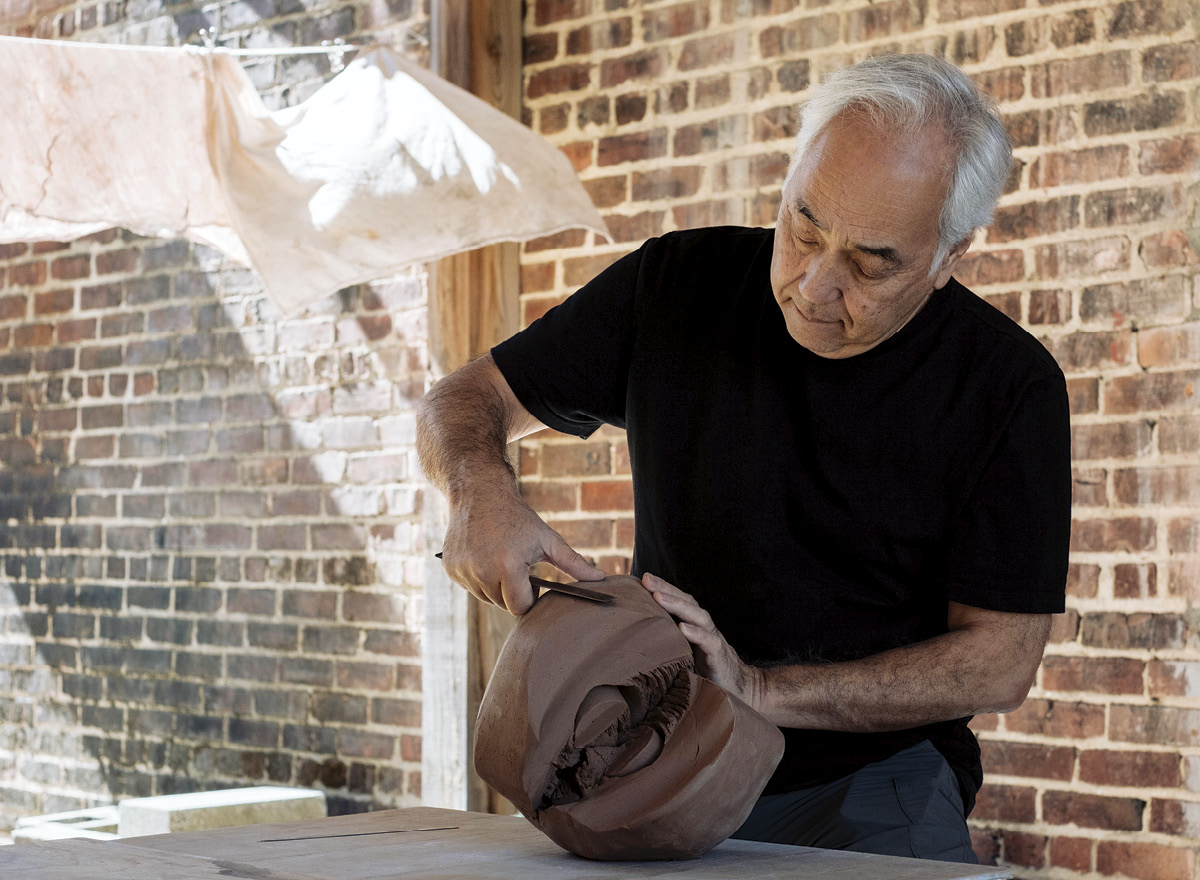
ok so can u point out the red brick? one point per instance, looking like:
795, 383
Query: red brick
1143, 861
775, 124
1031, 219
1065, 628
718, 212
1026, 850
1151, 391
986, 845
1111, 440
1143, 112
610, 34
607, 192
1169, 249
630, 108
706, 52
69, 268
1005, 803
666, 183
538, 48
564, 78
580, 270
580, 459
1131, 769
713, 91
13, 307
1180, 434
637, 227
647, 64
1154, 725
1183, 577
1175, 61
27, 274
592, 111
585, 533
706, 137
1072, 853
569, 238
1139, 631
1136, 18
1183, 536
1135, 581
606, 495
1092, 73
1057, 718
33, 335
1128, 207
883, 19
633, 147
1157, 485
1175, 155
9, 250
398, 713
1005, 84
550, 496
800, 36
674, 21
956, 10
1075, 259
1111, 675
1092, 811
1027, 759
550, 11
537, 277
1079, 166
1083, 580
108, 262
1173, 817
980, 268
1091, 351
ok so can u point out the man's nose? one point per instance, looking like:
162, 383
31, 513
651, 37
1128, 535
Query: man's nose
821, 281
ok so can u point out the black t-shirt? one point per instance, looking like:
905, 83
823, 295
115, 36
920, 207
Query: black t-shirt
818, 509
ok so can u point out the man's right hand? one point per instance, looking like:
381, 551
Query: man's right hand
494, 538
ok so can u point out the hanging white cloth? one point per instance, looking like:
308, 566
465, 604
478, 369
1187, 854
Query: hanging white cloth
384, 166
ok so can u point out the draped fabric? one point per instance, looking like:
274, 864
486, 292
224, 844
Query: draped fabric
384, 166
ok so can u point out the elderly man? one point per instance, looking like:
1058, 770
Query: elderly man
851, 476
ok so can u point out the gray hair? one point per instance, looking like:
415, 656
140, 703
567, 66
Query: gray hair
906, 93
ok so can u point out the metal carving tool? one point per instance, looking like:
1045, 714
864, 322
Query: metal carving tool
568, 589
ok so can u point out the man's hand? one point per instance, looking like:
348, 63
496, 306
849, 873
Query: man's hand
493, 537
492, 540
716, 659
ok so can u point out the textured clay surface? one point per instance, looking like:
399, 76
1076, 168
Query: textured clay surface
596, 726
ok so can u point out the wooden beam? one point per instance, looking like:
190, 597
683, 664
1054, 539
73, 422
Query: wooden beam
472, 306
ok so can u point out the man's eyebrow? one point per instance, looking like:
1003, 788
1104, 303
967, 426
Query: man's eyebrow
884, 252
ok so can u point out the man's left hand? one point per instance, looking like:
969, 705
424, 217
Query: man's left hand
716, 659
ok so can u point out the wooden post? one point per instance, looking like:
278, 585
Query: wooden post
472, 306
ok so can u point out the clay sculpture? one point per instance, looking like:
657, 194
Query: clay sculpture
597, 727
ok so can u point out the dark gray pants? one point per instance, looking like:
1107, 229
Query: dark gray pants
907, 805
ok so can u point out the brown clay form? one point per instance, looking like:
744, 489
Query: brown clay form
597, 727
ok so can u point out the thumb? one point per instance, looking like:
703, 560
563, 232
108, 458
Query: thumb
559, 553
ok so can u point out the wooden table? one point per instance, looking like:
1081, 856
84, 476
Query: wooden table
431, 844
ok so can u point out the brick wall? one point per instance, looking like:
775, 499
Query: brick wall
210, 517
681, 114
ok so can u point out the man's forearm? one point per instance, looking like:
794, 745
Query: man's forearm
462, 434
966, 671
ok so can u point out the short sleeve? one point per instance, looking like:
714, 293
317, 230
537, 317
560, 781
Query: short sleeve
570, 367
1009, 547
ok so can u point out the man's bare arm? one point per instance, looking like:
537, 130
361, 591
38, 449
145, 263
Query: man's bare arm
464, 424
985, 663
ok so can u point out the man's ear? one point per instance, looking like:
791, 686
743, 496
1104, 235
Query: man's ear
950, 263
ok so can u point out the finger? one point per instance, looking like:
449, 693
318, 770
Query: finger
711, 644
559, 553
517, 592
686, 611
656, 584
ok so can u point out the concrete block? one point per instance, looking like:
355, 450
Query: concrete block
96, 823
218, 809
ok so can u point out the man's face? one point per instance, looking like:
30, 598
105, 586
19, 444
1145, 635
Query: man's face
856, 236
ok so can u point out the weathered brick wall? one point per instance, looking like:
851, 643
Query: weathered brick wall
681, 114
209, 515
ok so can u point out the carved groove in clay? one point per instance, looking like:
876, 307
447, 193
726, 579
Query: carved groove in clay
596, 726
